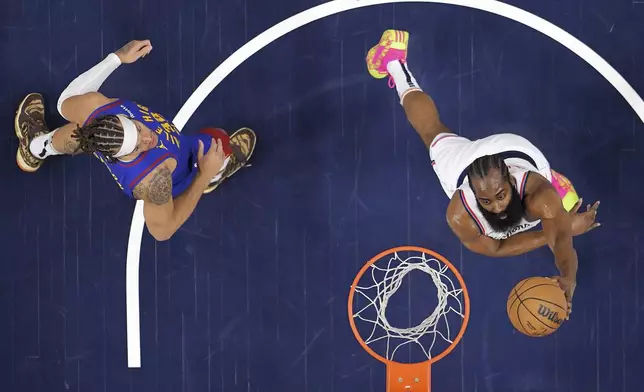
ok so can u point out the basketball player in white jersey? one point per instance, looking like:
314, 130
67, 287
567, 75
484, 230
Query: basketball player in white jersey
500, 186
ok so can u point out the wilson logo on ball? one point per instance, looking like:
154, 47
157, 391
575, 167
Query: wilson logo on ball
549, 314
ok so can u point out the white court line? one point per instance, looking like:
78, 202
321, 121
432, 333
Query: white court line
311, 15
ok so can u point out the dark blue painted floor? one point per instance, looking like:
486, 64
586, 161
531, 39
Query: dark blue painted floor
251, 294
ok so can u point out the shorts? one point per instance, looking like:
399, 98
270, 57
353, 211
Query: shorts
451, 154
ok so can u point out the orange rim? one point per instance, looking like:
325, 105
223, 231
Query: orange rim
466, 300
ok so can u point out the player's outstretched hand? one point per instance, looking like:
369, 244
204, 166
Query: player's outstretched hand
584, 222
134, 50
568, 285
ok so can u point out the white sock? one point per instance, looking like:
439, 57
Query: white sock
42, 146
405, 81
216, 178
221, 171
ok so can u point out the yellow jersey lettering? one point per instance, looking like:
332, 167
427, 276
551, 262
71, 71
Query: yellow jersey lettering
158, 117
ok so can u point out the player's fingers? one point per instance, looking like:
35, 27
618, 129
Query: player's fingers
556, 280
200, 151
220, 146
575, 208
218, 149
139, 45
143, 48
213, 147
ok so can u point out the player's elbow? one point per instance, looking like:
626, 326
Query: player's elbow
66, 105
160, 237
495, 248
75, 107
491, 248
161, 232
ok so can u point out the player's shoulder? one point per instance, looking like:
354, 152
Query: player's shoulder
459, 219
535, 182
156, 186
541, 198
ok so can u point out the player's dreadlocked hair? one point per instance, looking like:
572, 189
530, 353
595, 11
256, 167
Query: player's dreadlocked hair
481, 167
103, 134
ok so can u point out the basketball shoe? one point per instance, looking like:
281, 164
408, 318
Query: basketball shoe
392, 47
242, 145
29, 124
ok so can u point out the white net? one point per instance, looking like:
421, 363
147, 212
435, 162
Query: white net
434, 328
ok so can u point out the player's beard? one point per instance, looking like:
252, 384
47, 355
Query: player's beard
507, 219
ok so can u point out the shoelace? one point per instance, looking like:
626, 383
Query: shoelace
391, 81
30, 123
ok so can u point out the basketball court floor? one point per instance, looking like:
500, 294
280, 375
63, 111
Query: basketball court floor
251, 294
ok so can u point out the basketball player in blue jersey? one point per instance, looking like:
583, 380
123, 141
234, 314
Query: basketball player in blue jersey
147, 156
499, 186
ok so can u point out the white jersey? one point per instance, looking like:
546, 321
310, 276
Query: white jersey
451, 154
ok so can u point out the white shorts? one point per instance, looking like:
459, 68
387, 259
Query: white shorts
451, 154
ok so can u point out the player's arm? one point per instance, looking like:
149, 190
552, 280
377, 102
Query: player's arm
468, 232
163, 214
557, 228
77, 102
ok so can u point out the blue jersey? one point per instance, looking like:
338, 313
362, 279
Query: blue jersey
171, 144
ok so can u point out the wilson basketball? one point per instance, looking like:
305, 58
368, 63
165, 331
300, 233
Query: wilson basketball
537, 306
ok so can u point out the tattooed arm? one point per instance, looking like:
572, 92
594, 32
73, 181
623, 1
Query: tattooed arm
163, 214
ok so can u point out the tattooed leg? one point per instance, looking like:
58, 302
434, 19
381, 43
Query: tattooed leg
57, 142
63, 141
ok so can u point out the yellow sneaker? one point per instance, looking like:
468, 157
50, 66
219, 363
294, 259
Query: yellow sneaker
392, 47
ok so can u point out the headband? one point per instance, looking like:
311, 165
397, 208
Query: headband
130, 136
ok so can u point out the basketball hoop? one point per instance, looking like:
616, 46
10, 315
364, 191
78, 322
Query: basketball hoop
434, 331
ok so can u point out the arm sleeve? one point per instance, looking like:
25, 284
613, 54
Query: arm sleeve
91, 80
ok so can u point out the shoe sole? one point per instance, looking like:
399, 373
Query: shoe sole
398, 40
19, 160
250, 154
